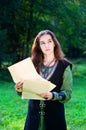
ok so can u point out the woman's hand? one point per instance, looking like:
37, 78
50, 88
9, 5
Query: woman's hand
19, 86
46, 95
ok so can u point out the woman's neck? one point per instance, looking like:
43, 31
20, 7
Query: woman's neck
49, 60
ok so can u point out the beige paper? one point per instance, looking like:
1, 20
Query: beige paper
32, 88
23, 70
34, 84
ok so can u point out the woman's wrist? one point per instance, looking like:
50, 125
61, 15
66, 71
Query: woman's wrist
56, 96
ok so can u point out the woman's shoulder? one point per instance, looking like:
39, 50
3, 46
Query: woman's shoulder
66, 62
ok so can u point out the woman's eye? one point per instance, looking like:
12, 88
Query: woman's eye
50, 41
42, 43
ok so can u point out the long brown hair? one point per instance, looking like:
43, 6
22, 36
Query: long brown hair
37, 55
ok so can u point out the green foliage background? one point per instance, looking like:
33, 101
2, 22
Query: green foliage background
21, 20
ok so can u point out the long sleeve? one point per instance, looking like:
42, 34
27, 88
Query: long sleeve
67, 84
66, 90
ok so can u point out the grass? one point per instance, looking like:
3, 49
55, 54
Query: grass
76, 107
13, 109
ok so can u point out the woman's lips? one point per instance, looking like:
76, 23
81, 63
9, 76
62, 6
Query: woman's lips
47, 50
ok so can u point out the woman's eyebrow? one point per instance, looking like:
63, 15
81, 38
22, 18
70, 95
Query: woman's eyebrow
47, 40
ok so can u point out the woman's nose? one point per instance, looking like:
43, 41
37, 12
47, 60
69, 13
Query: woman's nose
46, 45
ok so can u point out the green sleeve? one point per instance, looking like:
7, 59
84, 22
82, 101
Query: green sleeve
67, 84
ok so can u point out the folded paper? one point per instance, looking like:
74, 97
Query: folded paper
23, 70
34, 84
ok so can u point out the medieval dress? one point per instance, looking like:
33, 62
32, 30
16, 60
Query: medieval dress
50, 114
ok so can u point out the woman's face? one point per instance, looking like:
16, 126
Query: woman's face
46, 44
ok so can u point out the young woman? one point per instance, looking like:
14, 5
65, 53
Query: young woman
49, 61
